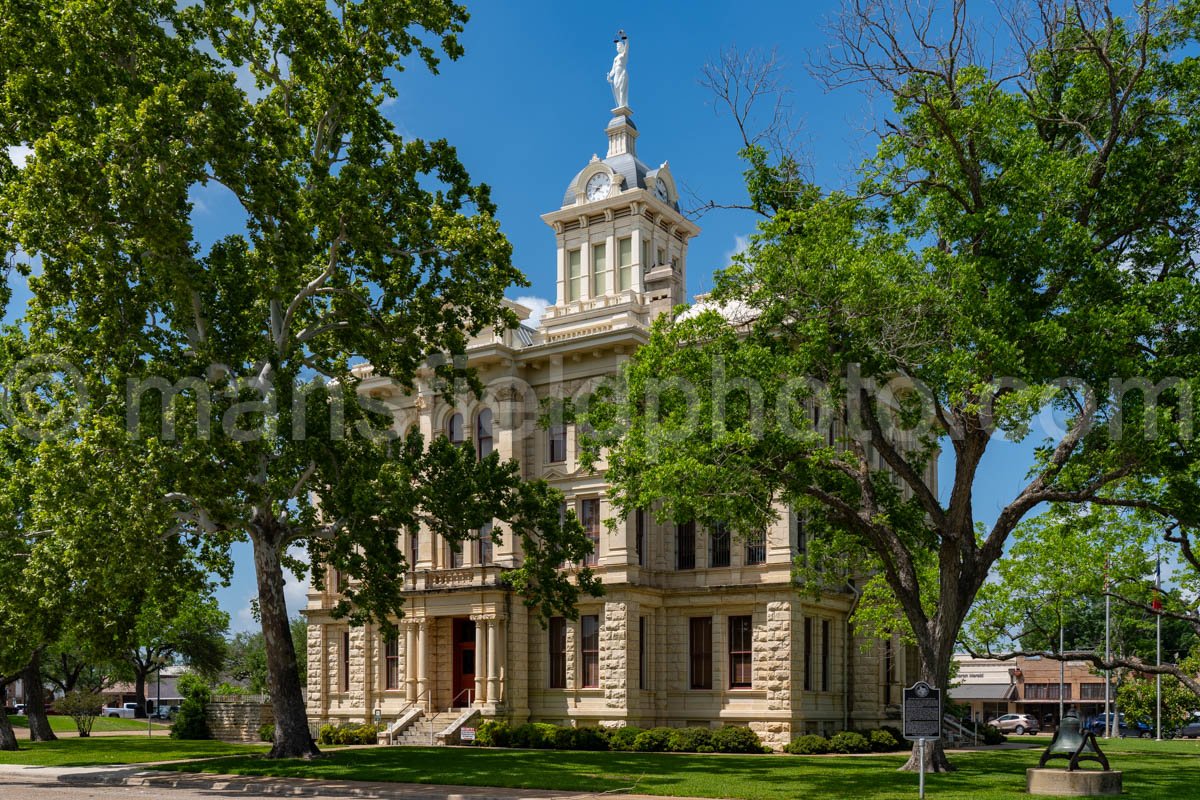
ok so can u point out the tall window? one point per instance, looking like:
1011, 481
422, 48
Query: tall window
808, 654
582, 431
889, 670
718, 546
685, 545
483, 433
643, 667
589, 650
756, 548
639, 535
391, 660
456, 554
625, 264
558, 653
825, 649
574, 275
741, 646
485, 544
599, 270
589, 517
346, 661
558, 443
414, 549
700, 648
454, 429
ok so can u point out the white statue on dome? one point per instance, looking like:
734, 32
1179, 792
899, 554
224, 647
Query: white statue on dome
618, 76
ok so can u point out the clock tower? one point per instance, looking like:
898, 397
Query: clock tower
622, 243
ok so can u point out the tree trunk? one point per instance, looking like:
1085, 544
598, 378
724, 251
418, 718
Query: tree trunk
8, 737
35, 702
139, 692
292, 737
936, 675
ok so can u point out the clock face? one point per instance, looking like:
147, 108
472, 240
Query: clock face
660, 190
598, 186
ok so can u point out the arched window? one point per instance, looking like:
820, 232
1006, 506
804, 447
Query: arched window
454, 429
483, 433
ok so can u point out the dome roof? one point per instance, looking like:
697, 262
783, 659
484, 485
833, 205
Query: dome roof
628, 166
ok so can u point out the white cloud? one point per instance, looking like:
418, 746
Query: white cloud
740, 245
537, 305
19, 154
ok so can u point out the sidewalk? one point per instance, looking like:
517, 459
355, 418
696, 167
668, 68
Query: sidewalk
139, 777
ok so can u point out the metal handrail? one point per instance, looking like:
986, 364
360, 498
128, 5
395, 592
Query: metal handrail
427, 694
470, 693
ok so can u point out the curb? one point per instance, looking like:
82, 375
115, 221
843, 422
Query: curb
301, 787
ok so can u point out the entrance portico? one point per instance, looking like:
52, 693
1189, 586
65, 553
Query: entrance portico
456, 661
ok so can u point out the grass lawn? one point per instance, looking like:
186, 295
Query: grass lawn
61, 724
76, 752
1170, 770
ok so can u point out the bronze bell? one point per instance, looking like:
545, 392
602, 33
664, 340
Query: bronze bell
1073, 744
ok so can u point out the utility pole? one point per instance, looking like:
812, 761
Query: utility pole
1158, 643
1107, 651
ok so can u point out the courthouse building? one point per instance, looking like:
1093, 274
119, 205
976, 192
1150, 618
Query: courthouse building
695, 628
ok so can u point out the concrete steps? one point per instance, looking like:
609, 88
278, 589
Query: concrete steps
424, 730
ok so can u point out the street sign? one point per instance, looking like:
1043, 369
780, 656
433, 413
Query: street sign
922, 712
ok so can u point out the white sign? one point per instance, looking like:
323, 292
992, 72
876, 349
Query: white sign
468, 734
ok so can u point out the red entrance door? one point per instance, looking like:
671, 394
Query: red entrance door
464, 663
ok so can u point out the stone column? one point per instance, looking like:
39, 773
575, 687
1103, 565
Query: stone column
501, 659
480, 654
493, 674
410, 662
422, 658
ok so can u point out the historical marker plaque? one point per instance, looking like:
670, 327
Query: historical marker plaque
922, 712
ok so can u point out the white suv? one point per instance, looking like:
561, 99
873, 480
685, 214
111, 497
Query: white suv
1016, 723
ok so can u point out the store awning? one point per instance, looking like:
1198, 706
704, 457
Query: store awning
983, 691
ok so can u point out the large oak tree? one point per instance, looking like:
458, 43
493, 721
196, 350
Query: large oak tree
1025, 233
350, 244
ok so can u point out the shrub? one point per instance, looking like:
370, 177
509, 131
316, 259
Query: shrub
623, 738
655, 740
992, 735
737, 739
901, 744
690, 740
349, 733
810, 744
82, 708
266, 732
589, 738
535, 735
191, 722
882, 741
493, 733
849, 742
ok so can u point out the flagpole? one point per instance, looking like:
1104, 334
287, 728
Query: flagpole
1107, 652
1062, 666
1158, 644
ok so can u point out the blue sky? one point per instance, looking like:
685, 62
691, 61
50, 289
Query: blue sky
527, 106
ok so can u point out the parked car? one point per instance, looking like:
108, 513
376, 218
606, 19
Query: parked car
1125, 729
1019, 724
124, 711
165, 712
1189, 731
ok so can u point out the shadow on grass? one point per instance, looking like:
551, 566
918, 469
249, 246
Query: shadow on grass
980, 776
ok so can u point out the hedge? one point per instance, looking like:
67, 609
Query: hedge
543, 736
349, 733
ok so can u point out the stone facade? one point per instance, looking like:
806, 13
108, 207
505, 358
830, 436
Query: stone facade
237, 719
466, 641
